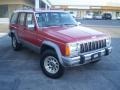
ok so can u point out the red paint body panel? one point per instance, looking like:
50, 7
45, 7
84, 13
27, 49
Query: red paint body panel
72, 34
63, 35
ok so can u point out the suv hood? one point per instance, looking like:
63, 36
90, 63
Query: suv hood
71, 34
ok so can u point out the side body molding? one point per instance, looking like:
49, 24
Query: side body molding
56, 48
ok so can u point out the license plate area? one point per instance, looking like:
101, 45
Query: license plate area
95, 55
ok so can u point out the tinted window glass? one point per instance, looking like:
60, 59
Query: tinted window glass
21, 19
14, 18
29, 19
4, 11
47, 19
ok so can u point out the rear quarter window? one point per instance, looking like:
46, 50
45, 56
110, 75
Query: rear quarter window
13, 19
21, 19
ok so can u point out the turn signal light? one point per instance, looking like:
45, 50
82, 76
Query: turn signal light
67, 50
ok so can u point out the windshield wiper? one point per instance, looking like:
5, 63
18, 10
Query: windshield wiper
70, 24
52, 25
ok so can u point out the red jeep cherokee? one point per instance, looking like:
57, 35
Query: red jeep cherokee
58, 38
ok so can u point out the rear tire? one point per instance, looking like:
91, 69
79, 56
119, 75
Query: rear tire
50, 64
16, 46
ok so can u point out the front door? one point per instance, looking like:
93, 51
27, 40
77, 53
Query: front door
30, 30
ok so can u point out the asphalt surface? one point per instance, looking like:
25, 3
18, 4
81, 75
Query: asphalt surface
21, 71
103, 23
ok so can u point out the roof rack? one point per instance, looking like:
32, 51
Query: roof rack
26, 8
33, 9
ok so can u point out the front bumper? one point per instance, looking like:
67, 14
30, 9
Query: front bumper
86, 57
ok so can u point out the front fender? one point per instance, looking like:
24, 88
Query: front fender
56, 48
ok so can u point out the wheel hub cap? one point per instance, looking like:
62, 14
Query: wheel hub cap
51, 64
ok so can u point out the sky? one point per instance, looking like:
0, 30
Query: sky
86, 2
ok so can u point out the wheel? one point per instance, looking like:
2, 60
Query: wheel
16, 46
50, 64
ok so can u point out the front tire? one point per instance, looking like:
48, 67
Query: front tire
50, 64
16, 46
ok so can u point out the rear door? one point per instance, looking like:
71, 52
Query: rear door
13, 21
21, 25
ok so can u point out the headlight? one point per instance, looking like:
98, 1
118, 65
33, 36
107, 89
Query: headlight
108, 42
72, 49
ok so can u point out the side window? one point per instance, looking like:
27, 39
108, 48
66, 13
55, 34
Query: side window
30, 19
13, 19
42, 19
21, 19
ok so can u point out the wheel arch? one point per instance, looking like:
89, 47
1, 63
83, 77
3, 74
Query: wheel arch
14, 33
53, 46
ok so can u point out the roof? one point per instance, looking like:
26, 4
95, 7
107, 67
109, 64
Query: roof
32, 10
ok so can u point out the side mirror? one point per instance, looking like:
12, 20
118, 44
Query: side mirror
31, 26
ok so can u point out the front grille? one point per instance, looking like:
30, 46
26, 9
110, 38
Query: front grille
92, 45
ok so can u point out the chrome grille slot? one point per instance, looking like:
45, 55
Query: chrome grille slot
92, 45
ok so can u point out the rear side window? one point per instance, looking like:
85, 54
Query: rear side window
21, 19
14, 18
29, 19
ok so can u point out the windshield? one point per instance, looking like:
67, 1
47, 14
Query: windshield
47, 19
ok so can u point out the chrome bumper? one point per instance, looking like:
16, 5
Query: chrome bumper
86, 57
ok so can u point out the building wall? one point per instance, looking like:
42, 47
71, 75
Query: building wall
13, 5
82, 12
21, 2
8, 6
4, 11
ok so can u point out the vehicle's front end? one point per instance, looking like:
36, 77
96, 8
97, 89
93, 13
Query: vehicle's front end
82, 52
67, 44
81, 45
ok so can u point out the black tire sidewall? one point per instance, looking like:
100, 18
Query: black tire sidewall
17, 44
61, 68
